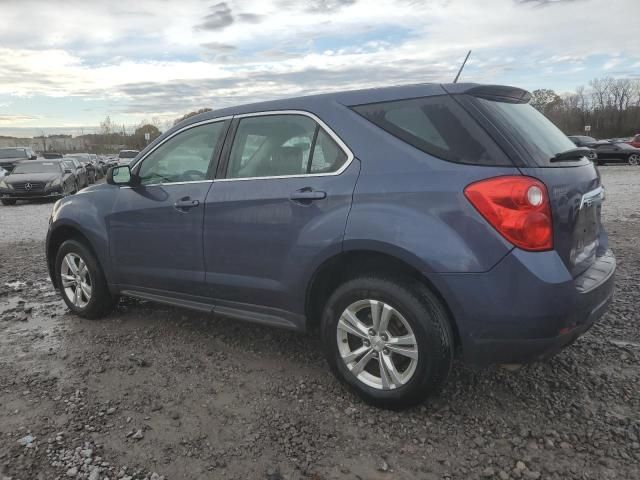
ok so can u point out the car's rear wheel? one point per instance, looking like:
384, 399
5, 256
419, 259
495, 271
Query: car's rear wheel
389, 339
634, 159
8, 202
81, 281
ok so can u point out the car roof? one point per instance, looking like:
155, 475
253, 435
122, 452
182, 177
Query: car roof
356, 97
42, 160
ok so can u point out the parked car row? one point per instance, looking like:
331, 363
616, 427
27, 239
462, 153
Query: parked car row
24, 182
37, 179
612, 150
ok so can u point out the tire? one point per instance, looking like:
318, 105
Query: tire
414, 309
634, 159
8, 202
98, 302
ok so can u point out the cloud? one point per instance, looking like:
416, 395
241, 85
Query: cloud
16, 119
149, 59
218, 18
545, 3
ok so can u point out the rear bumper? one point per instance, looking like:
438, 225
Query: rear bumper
527, 307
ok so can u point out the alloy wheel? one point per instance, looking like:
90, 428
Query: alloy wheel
634, 159
377, 344
76, 280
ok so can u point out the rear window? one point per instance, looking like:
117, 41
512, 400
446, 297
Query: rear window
438, 126
540, 138
13, 153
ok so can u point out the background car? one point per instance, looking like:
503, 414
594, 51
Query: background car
635, 141
82, 178
3, 172
11, 155
51, 155
96, 165
86, 162
126, 156
583, 140
617, 152
37, 179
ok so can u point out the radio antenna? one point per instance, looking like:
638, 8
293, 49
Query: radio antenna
462, 66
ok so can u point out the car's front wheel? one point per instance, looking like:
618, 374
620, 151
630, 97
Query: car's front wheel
389, 339
8, 202
81, 281
634, 159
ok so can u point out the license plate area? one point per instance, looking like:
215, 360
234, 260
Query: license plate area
587, 227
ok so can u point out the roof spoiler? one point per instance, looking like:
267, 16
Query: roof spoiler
499, 93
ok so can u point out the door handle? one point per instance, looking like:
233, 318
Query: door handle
307, 195
186, 204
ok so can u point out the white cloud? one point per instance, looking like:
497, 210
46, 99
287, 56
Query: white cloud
156, 58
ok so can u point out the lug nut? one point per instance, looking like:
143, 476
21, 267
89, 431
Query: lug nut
385, 351
372, 332
366, 343
384, 337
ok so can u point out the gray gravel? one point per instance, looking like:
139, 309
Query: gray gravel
153, 392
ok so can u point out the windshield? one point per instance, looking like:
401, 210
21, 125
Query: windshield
37, 167
128, 154
540, 138
13, 153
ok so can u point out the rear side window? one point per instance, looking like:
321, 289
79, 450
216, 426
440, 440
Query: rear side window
282, 145
438, 126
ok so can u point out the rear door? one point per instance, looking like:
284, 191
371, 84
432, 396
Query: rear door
573, 185
279, 206
156, 227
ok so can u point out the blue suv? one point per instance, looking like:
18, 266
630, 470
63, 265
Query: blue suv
405, 224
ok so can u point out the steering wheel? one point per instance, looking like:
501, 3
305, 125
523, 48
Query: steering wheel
190, 174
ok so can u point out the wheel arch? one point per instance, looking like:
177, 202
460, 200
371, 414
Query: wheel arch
57, 237
348, 264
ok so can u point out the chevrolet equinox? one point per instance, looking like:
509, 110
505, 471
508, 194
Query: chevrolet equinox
405, 223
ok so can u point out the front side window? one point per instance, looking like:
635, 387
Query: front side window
438, 126
282, 145
184, 158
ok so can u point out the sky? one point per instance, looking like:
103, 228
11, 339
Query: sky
67, 64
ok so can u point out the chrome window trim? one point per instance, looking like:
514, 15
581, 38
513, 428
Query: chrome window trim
186, 127
343, 146
172, 183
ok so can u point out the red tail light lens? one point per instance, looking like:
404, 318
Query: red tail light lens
517, 207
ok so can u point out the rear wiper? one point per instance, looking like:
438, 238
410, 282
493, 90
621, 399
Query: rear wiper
573, 154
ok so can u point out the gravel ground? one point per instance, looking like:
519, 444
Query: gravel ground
154, 392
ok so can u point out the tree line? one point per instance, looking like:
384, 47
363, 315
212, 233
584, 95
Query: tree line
610, 106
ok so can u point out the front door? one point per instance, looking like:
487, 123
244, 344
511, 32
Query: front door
156, 227
280, 207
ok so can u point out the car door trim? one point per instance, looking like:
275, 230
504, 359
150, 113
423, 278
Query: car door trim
343, 146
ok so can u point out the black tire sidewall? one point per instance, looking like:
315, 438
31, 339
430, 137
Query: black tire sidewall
426, 317
101, 300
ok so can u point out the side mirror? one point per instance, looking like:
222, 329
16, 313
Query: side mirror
33, 157
120, 175
66, 170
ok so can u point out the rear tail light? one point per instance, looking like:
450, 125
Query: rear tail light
517, 207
